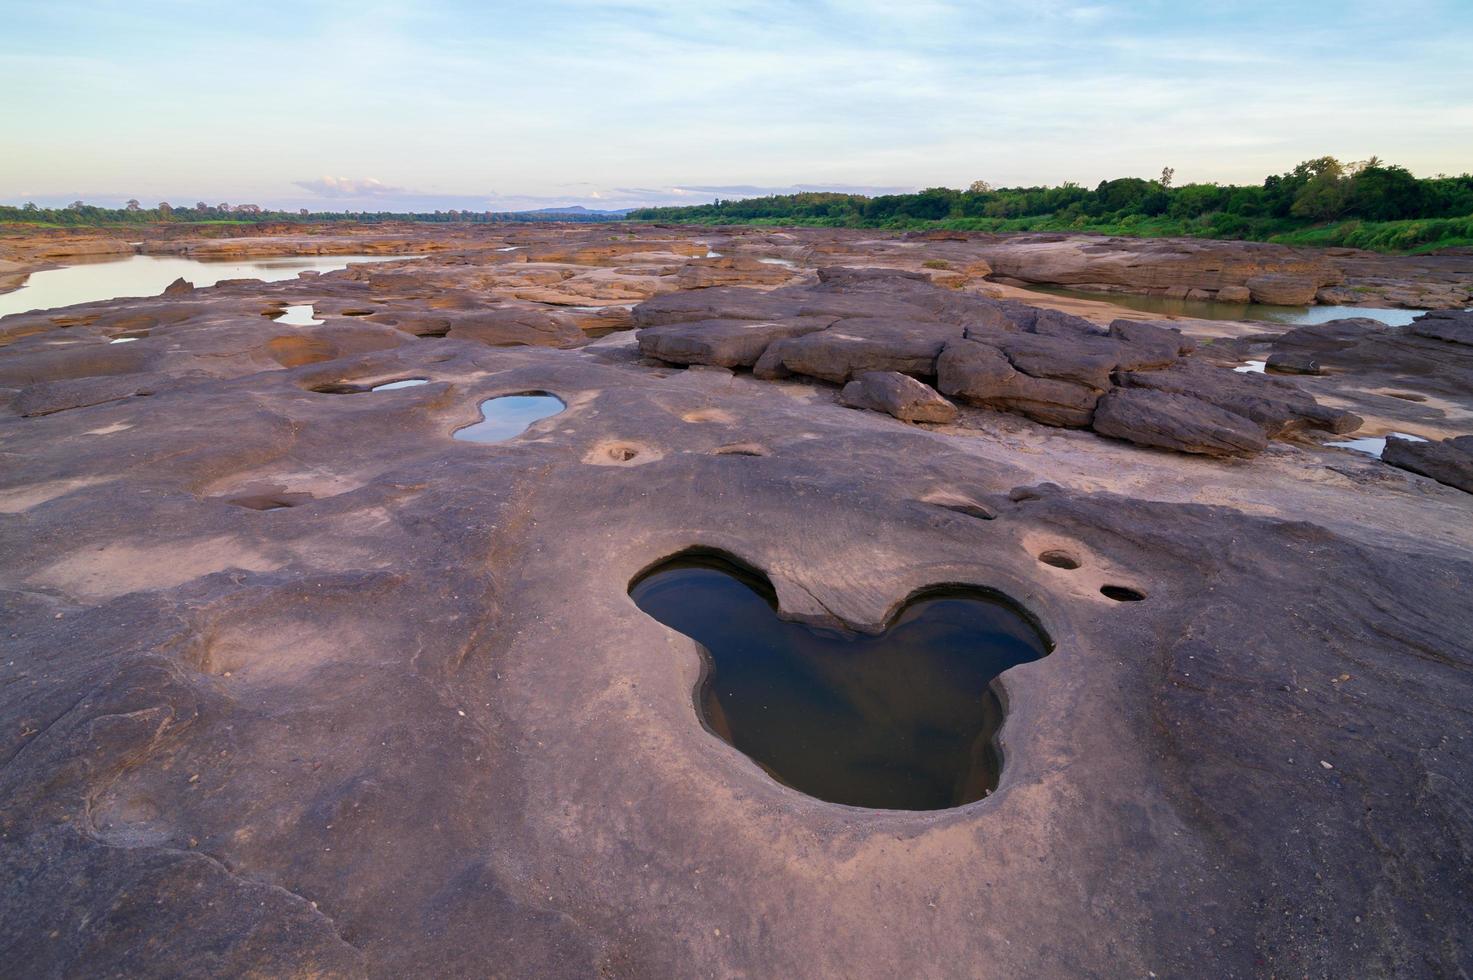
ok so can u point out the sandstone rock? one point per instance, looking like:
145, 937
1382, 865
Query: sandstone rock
1452, 326
1282, 290
1276, 405
898, 394
1290, 363
1145, 345
1077, 360
1449, 461
726, 343
714, 304
728, 271
1234, 294
179, 287
1175, 421
852, 347
982, 375
1142, 265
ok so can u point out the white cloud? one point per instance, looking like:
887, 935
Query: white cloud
348, 187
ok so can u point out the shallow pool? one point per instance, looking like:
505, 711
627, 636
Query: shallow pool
147, 275
1213, 310
508, 416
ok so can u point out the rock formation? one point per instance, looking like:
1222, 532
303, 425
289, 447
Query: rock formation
294, 682
1048, 366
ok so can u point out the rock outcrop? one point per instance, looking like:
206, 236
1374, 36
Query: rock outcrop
1449, 461
1048, 366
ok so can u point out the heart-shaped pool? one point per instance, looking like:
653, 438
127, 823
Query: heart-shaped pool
902, 720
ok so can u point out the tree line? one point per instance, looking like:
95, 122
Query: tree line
1314, 194
79, 213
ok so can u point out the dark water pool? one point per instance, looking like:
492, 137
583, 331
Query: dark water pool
904, 720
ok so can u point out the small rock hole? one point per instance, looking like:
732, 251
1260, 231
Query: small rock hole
1064, 560
1121, 593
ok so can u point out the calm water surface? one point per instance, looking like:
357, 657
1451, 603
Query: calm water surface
509, 415
904, 720
147, 275
1213, 310
1372, 445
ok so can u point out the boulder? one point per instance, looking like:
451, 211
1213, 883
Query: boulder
852, 347
982, 375
725, 343
1449, 461
1276, 405
1042, 356
1165, 420
1234, 294
899, 395
1278, 289
1293, 363
1144, 346
179, 287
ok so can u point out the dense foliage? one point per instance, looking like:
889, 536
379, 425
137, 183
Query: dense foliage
1322, 201
79, 213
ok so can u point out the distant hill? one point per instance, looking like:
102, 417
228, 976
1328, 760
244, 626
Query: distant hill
578, 209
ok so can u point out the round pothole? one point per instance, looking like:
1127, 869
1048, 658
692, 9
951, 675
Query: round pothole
1059, 559
1121, 593
903, 719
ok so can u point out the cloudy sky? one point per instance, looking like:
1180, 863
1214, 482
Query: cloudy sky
430, 104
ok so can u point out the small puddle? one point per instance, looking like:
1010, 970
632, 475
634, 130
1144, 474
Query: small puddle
1372, 445
507, 416
396, 385
903, 720
298, 316
1253, 367
786, 263
509, 248
122, 340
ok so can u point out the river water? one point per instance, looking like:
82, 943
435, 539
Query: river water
147, 275
1213, 310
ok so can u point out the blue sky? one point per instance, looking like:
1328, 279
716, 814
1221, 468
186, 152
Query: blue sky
432, 104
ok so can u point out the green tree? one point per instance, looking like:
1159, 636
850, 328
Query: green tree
1324, 191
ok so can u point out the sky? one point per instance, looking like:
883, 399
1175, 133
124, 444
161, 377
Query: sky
439, 104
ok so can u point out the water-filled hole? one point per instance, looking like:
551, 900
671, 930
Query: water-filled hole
396, 385
266, 501
509, 415
905, 719
1121, 593
300, 316
1059, 559
970, 510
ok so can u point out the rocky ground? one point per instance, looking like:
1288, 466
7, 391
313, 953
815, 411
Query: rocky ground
295, 683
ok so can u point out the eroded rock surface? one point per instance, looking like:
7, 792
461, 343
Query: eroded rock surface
293, 682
